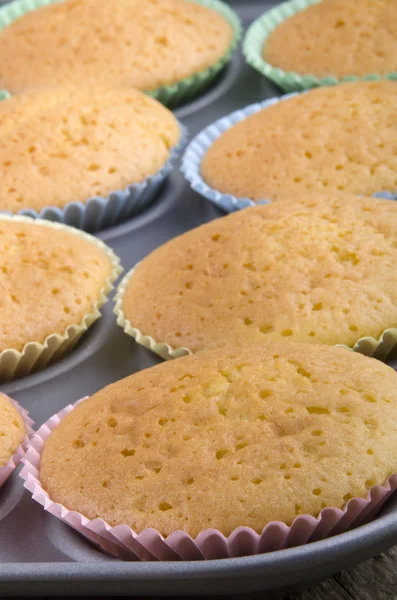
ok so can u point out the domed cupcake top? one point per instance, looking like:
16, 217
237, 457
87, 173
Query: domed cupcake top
337, 38
329, 139
66, 144
225, 439
50, 278
140, 43
313, 268
12, 429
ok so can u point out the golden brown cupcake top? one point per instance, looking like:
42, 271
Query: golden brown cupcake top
12, 429
312, 268
337, 38
329, 139
50, 278
224, 439
66, 144
140, 43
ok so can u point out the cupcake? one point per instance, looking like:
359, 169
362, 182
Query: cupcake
64, 152
53, 280
256, 438
173, 48
315, 269
305, 44
330, 139
15, 432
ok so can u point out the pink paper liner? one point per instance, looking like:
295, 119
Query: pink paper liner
16, 458
149, 545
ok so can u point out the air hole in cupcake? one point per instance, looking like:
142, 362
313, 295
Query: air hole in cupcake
303, 372
312, 333
289, 410
287, 477
317, 306
216, 237
105, 484
316, 492
298, 509
349, 473
148, 435
317, 432
265, 394
261, 418
112, 422
265, 329
256, 481
247, 321
126, 452
235, 478
220, 454
347, 497
162, 422
342, 409
78, 444
297, 465
370, 483
317, 410
369, 398
163, 506
287, 332
140, 477
249, 266
241, 446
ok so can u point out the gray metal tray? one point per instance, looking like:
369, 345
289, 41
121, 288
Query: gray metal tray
41, 556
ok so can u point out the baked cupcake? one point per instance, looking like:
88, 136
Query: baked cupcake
305, 44
65, 151
173, 48
305, 143
315, 269
15, 432
222, 440
53, 280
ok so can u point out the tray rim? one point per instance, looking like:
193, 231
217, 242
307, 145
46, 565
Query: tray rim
382, 530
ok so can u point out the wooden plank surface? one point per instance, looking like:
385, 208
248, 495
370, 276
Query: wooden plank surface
375, 579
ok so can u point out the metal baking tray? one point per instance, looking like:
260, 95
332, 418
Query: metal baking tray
41, 556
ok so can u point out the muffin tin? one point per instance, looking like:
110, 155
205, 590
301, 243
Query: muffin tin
41, 556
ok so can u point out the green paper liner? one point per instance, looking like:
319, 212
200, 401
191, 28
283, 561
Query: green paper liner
289, 81
37, 355
380, 348
170, 95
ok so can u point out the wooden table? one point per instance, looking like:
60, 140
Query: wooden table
375, 579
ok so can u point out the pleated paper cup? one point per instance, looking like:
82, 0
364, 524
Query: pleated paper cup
149, 545
37, 355
19, 453
170, 95
289, 81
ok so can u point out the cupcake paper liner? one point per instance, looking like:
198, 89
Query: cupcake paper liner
289, 81
380, 348
150, 545
170, 95
35, 355
19, 453
198, 147
98, 212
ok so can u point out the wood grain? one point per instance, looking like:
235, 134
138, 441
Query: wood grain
375, 579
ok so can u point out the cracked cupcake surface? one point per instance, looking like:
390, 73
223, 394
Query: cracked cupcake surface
12, 429
312, 268
225, 439
62, 145
337, 38
338, 138
141, 43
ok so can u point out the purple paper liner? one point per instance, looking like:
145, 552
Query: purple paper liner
149, 545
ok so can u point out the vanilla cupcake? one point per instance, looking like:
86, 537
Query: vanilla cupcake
171, 47
301, 45
53, 280
330, 139
222, 440
310, 268
15, 433
67, 149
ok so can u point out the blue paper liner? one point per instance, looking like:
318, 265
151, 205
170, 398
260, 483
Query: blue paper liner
99, 212
198, 147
